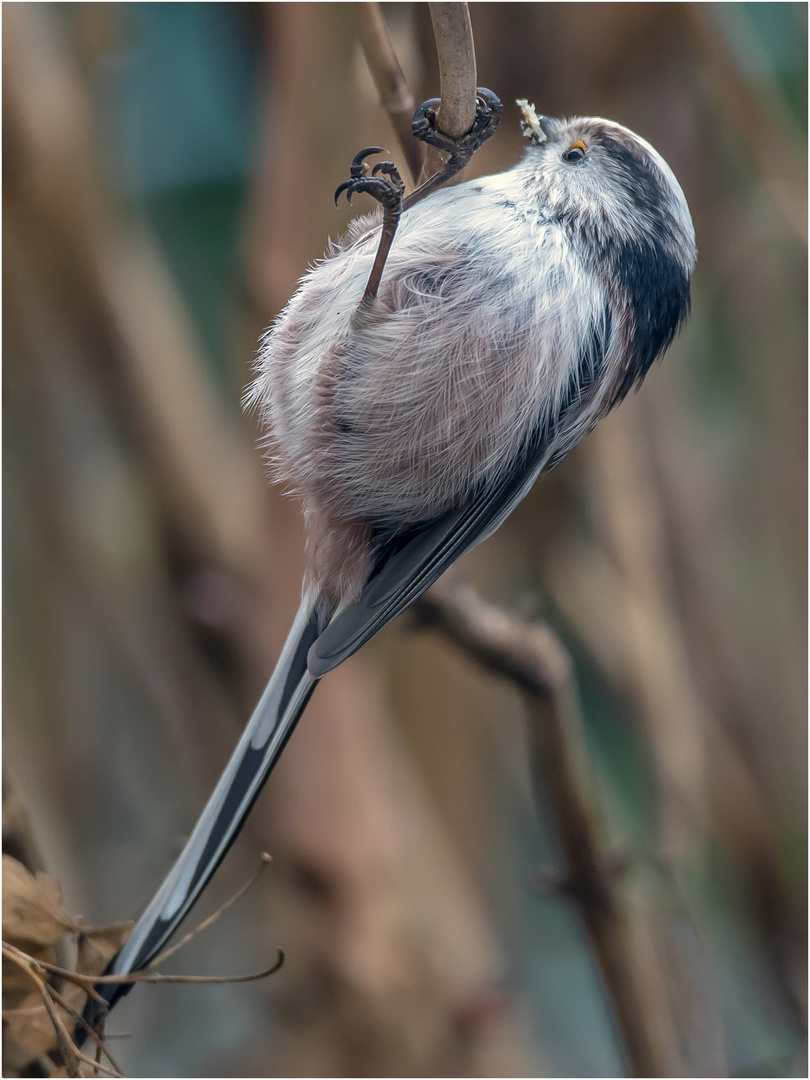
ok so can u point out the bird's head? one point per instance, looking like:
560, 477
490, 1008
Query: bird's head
626, 217
605, 181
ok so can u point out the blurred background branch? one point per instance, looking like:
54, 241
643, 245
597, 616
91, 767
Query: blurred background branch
531, 655
396, 96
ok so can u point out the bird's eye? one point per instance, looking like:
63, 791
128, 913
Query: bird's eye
575, 153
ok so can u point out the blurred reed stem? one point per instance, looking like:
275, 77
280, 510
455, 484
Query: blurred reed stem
531, 656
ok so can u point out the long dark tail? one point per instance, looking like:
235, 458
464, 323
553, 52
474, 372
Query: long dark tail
260, 747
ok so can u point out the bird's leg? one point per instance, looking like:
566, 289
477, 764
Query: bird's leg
385, 184
388, 190
488, 112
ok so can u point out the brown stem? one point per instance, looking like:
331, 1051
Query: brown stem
396, 97
458, 75
88, 982
80, 1022
240, 892
70, 1054
531, 656
457, 69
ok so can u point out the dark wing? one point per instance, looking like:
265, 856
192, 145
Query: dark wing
408, 564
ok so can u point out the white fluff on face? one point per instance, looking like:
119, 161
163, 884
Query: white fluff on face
392, 413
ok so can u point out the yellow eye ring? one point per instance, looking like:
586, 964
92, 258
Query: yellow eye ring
575, 152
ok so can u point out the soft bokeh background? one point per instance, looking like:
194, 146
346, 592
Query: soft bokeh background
169, 171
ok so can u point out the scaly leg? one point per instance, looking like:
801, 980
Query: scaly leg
389, 189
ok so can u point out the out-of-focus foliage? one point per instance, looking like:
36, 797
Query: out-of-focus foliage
169, 176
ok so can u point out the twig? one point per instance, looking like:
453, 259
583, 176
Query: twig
396, 97
150, 976
80, 1021
457, 69
86, 982
71, 1054
532, 657
265, 861
96, 1066
147, 976
67, 1049
458, 74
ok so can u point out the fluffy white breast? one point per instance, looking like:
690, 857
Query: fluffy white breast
393, 413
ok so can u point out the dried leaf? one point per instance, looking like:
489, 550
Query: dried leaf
16, 984
74, 996
15, 1057
97, 947
30, 1028
32, 906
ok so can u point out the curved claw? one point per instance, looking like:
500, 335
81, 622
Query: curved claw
488, 113
391, 173
489, 99
428, 106
358, 167
343, 186
426, 113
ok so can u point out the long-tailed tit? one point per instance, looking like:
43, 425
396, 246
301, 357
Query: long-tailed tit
421, 379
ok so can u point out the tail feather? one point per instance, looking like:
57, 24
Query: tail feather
262, 742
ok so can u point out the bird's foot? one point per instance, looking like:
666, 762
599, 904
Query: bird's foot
383, 183
488, 113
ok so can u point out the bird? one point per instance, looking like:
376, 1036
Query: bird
425, 373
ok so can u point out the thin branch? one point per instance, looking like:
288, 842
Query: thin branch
147, 976
457, 69
96, 1066
155, 977
150, 976
532, 657
80, 1021
458, 74
86, 982
396, 97
265, 861
70, 1054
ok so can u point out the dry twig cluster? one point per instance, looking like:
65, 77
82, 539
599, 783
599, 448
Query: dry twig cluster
43, 1002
